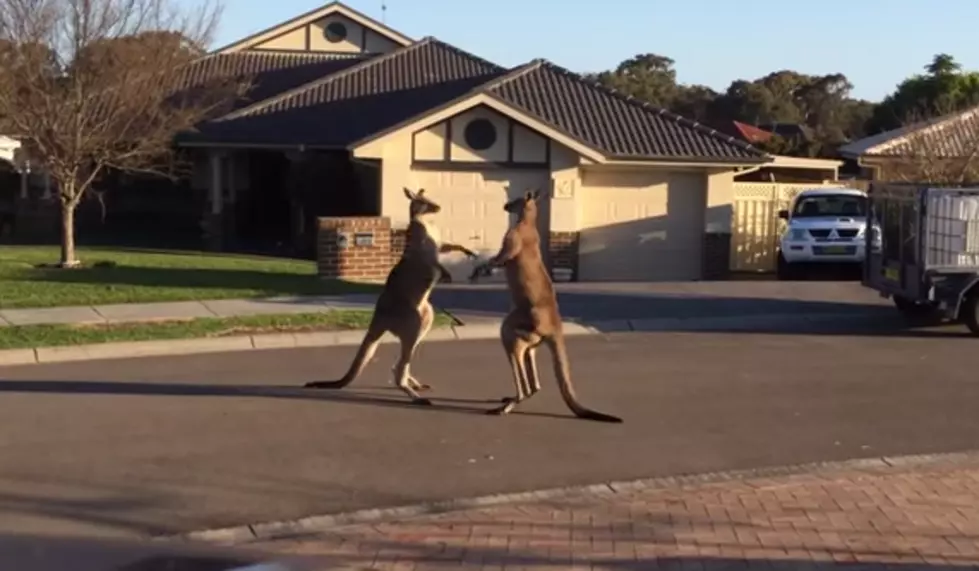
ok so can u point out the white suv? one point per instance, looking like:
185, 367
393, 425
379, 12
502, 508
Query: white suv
825, 225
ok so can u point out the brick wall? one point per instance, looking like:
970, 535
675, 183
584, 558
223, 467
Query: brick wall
352, 261
399, 240
563, 250
717, 255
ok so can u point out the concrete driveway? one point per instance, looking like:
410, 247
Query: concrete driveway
164, 445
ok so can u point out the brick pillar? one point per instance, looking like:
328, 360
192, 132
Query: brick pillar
717, 255
354, 248
563, 250
399, 241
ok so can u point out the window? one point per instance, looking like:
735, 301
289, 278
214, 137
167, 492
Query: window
335, 32
830, 205
480, 134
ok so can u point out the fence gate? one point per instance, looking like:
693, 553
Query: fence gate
756, 226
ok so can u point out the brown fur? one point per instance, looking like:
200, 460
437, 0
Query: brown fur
403, 307
534, 318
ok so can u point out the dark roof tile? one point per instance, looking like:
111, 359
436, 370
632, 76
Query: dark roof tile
360, 100
270, 73
615, 124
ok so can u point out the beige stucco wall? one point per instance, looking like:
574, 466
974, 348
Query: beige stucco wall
529, 147
720, 200
295, 40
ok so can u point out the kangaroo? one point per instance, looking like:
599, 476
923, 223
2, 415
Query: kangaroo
534, 318
403, 307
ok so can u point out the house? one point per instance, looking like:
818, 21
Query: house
347, 112
929, 150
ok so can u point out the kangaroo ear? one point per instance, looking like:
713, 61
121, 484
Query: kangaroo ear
529, 195
421, 191
537, 194
409, 194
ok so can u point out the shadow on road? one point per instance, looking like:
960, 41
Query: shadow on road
376, 396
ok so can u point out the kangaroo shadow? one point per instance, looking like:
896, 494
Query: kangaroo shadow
385, 397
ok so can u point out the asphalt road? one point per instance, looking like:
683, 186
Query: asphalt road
643, 300
165, 445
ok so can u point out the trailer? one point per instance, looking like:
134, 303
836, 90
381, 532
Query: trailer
923, 250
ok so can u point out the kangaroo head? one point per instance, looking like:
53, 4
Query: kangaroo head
420, 206
524, 206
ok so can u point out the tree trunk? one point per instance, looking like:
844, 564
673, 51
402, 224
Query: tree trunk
68, 235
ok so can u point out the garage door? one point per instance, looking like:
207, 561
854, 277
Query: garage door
641, 226
472, 209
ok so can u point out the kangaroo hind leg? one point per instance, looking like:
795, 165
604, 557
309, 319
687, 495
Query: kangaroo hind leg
414, 329
518, 345
427, 319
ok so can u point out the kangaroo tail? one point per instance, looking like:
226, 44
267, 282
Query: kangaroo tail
563, 373
364, 354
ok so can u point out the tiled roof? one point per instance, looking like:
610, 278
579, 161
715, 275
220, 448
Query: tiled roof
952, 136
270, 72
750, 133
617, 125
375, 95
360, 100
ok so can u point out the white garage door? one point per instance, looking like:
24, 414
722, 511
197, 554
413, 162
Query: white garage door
641, 226
472, 209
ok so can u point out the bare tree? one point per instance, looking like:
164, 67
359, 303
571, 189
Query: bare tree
91, 86
940, 148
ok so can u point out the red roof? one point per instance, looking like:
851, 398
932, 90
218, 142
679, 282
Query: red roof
750, 133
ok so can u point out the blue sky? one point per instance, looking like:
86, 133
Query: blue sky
876, 43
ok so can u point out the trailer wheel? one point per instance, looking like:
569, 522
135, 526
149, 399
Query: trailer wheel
918, 313
969, 312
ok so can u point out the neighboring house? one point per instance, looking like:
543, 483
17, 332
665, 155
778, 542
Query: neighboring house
747, 133
918, 150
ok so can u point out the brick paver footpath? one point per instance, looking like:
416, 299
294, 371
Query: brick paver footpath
903, 517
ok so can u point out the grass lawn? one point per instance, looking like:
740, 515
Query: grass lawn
129, 276
29, 336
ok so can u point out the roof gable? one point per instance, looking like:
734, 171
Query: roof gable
955, 135
312, 16
622, 127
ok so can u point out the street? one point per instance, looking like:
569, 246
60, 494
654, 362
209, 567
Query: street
166, 445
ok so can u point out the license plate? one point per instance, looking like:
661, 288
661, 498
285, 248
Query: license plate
892, 274
834, 249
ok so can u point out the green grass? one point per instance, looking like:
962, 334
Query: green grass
132, 276
29, 336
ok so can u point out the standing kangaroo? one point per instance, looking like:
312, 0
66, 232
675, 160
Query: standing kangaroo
403, 307
534, 318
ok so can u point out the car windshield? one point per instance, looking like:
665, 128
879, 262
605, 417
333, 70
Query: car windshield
830, 205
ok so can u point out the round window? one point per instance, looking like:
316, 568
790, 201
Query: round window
480, 134
335, 32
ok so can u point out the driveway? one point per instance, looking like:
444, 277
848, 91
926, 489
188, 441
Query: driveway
650, 300
164, 445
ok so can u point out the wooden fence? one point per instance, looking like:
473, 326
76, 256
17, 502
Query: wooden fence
756, 226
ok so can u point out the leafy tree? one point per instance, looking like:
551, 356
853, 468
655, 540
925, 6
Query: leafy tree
944, 86
94, 86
